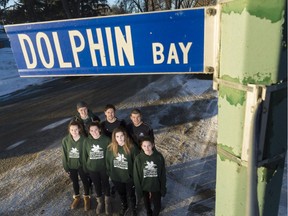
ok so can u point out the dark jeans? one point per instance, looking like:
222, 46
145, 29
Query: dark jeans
155, 199
101, 182
73, 173
126, 190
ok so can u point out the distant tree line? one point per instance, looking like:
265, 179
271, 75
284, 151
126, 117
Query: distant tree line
23, 11
136, 6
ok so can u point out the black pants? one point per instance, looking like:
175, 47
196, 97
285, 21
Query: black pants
126, 190
101, 183
73, 173
155, 199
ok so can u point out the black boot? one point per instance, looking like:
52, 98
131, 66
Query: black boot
124, 205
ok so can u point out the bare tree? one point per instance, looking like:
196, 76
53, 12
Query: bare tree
84, 8
4, 3
135, 6
66, 8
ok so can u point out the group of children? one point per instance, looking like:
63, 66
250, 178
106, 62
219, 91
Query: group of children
125, 153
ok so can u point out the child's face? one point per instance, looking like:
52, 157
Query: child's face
74, 130
95, 132
147, 147
120, 138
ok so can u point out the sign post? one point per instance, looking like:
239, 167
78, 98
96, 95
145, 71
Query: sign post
252, 107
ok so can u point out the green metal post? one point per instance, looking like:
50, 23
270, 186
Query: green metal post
252, 75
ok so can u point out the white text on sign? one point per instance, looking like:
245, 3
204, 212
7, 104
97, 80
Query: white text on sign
95, 42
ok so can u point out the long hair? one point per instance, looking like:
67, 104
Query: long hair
113, 146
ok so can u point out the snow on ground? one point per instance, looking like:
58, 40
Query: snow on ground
9, 77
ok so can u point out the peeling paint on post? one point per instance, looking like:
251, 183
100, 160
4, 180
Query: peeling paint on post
251, 52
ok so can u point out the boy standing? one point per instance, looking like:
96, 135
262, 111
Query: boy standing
85, 116
139, 129
111, 122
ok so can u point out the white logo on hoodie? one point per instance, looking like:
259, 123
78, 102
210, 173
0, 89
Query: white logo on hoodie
74, 153
150, 170
121, 162
96, 152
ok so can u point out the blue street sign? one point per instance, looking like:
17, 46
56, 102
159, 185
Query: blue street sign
149, 43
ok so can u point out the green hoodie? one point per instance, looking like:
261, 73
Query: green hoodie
149, 173
94, 151
71, 152
120, 168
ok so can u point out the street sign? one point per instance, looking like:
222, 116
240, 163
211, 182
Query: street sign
147, 43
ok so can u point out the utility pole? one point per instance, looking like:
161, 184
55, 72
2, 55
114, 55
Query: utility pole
252, 117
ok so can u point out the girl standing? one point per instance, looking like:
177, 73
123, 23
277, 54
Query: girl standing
150, 177
120, 157
94, 152
72, 162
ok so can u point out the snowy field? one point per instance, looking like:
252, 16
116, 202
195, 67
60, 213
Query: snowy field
9, 77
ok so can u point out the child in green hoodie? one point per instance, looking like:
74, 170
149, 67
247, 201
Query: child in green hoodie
94, 153
150, 176
72, 145
120, 157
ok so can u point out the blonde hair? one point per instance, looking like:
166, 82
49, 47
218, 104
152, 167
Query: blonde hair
113, 146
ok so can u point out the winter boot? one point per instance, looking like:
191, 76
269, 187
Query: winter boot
108, 207
86, 202
76, 200
100, 205
124, 205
